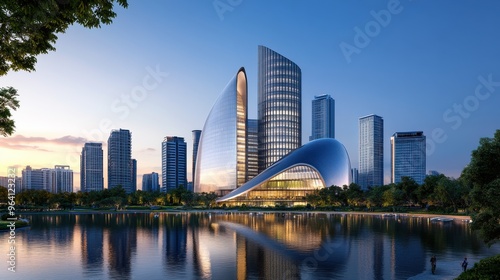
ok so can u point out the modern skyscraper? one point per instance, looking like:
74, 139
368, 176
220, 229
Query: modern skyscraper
252, 149
323, 117
222, 152
150, 182
196, 142
120, 159
279, 106
355, 175
134, 175
408, 156
91, 168
173, 154
62, 180
371, 151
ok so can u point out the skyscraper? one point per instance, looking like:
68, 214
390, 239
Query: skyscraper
252, 149
91, 168
173, 155
150, 182
408, 156
120, 159
134, 175
62, 180
279, 106
196, 142
323, 117
371, 151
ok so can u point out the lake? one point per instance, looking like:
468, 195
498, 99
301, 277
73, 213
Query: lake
223, 245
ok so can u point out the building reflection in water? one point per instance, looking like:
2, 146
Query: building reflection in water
92, 236
122, 240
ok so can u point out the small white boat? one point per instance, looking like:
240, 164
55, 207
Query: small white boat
441, 219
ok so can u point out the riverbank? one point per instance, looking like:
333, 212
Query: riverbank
445, 270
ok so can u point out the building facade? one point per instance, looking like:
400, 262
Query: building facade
120, 160
62, 180
196, 142
55, 180
173, 154
252, 149
134, 174
323, 117
408, 156
221, 163
91, 168
150, 182
371, 151
279, 106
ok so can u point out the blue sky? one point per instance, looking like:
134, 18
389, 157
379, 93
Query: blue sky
419, 69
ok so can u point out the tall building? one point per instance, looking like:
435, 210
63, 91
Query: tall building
252, 149
62, 179
371, 151
150, 182
134, 175
408, 156
355, 175
279, 106
91, 168
173, 155
222, 151
6, 181
36, 179
323, 117
120, 159
196, 142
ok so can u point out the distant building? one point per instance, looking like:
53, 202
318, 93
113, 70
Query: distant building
433, 173
62, 179
196, 142
91, 168
252, 149
323, 117
408, 156
371, 151
150, 182
6, 181
355, 174
173, 162
279, 106
134, 175
120, 160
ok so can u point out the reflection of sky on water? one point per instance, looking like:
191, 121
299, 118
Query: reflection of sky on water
236, 246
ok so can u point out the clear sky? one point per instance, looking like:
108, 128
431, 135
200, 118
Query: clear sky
157, 70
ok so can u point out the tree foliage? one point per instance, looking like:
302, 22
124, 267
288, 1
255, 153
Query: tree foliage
8, 102
488, 268
482, 174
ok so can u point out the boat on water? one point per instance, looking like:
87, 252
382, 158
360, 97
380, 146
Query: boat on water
441, 219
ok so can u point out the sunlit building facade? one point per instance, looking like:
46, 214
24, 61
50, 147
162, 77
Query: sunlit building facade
120, 160
408, 156
279, 106
91, 168
221, 162
318, 164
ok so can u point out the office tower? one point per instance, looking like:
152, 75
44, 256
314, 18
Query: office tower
134, 174
355, 175
371, 151
279, 106
62, 180
120, 160
150, 182
408, 156
91, 168
323, 117
252, 149
221, 160
173, 154
196, 142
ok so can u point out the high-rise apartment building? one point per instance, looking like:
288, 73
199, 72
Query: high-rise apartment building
371, 151
62, 180
323, 117
196, 142
57, 180
120, 160
279, 106
252, 148
150, 182
408, 156
134, 174
173, 155
91, 168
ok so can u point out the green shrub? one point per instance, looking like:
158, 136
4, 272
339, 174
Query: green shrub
485, 269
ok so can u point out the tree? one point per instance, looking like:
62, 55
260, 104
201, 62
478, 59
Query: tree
482, 174
29, 28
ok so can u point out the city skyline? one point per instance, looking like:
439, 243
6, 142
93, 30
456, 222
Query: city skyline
437, 76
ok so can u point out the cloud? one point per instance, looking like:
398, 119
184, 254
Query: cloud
7, 145
147, 150
20, 142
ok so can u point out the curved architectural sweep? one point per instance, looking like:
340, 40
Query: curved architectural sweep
221, 160
318, 164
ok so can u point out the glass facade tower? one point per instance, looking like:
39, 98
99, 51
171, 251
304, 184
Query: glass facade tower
173, 155
91, 168
371, 151
323, 117
120, 160
221, 163
408, 156
253, 149
279, 106
196, 142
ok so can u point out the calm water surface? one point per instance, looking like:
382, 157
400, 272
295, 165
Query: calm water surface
235, 246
